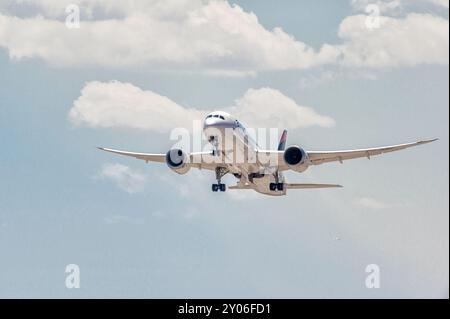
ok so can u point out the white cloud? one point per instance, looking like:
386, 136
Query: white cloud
397, 6
117, 104
271, 108
124, 177
214, 37
383, 5
441, 3
415, 39
173, 9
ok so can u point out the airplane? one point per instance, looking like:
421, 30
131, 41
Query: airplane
230, 141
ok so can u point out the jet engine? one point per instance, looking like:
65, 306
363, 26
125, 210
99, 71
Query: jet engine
177, 160
296, 158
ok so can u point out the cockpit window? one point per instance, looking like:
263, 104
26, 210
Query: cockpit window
216, 116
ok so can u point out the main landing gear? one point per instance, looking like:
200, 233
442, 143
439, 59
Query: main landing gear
276, 187
219, 186
220, 172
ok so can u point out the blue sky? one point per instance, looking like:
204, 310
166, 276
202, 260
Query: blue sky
143, 231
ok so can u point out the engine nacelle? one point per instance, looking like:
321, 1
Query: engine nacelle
177, 161
296, 158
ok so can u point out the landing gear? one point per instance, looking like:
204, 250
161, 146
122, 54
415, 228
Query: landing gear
276, 187
219, 187
220, 172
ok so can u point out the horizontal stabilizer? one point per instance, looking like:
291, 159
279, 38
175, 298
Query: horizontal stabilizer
238, 186
291, 186
306, 186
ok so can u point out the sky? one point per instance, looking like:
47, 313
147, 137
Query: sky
337, 74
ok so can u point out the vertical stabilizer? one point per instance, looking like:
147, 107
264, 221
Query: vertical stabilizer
283, 139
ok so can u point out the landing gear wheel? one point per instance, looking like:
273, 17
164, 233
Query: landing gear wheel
220, 172
272, 186
280, 186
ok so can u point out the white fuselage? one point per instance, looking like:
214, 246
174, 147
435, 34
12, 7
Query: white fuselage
239, 153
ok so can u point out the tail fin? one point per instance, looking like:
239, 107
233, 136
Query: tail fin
282, 143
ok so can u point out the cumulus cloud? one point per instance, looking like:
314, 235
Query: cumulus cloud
117, 104
124, 177
396, 6
441, 3
270, 107
383, 6
415, 39
214, 37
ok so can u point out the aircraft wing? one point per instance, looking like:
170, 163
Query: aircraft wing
160, 158
197, 160
321, 157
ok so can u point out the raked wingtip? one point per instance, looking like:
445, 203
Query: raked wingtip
429, 141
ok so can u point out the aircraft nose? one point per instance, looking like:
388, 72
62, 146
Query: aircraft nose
209, 122
217, 123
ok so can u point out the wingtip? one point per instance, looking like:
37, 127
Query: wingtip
100, 148
429, 141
